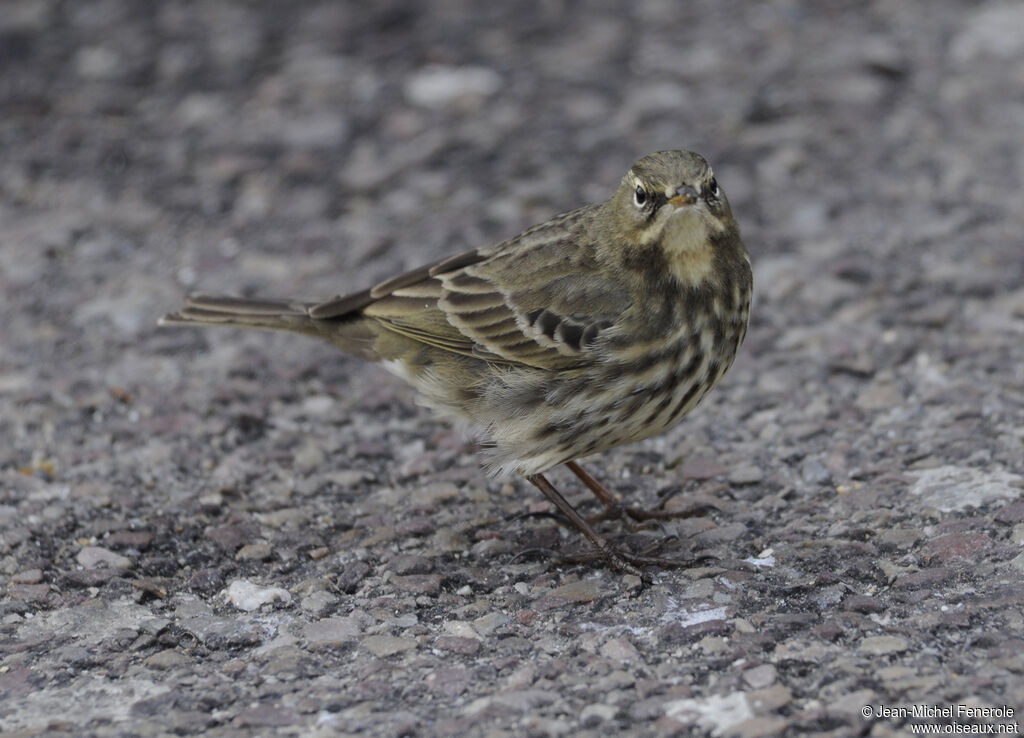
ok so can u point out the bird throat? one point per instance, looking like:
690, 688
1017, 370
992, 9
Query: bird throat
689, 247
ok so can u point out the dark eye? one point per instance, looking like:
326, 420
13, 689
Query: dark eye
713, 187
640, 196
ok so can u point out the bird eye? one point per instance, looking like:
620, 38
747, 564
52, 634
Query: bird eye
640, 196
713, 187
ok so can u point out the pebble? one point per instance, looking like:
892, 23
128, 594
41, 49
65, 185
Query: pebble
813, 471
485, 625
247, 596
28, 576
882, 645
330, 632
386, 645
456, 644
438, 86
761, 676
93, 557
745, 474
594, 714
620, 649
167, 659
519, 700
580, 591
956, 488
769, 699
255, 552
713, 714
924, 578
317, 602
992, 30
898, 538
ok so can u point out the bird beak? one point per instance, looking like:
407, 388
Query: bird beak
684, 196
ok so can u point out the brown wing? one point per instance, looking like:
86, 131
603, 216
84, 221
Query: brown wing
537, 300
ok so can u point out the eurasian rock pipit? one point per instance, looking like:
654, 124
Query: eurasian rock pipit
602, 326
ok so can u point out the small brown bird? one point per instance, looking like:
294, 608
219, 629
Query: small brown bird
602, 326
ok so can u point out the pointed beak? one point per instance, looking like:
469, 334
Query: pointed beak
683, 196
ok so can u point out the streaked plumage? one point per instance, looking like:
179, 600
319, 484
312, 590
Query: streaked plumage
599, 327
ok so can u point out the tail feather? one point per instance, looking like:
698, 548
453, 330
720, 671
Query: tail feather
257, 313
351, 334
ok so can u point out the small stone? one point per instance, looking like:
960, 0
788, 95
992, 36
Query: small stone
449, 681
518, 700
714, 714
95, 557
620, 649
761, 676
351, 576
87, 577
233, 536
882, 645
956, 488
957, 547
138, 539
762, 726
254, 552
330, 632
813, 471
266, 716
769, 699
880, 395
318, 553
855, 702
1017, 563
154, 626
583, 590
487, 624
421, 584
745, 474
593, 715
862, 603
457, 644
167, 659
438, 86
247, 596
403, 564
28, 576
617, 680
549, 727
713, 645
898, 538
720, 534
436, 493
316, 602
1017, 534
460, 629
991, 30
924, 578
385, 645
1012, 513
700, 468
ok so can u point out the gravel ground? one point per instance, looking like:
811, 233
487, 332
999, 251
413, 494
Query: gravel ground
236, 533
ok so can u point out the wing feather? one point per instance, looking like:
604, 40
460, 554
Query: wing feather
535, 300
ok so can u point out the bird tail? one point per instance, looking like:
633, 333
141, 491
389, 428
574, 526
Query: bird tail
350, 333
283, 315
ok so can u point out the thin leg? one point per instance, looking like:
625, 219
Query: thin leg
614, 557
606, 497
613, 509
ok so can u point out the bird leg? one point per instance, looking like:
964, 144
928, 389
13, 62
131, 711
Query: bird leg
613, 509
621, 560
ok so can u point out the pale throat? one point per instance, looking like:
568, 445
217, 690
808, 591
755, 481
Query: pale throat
687, 243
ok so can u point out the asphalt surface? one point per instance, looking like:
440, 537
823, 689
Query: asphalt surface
231, 533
